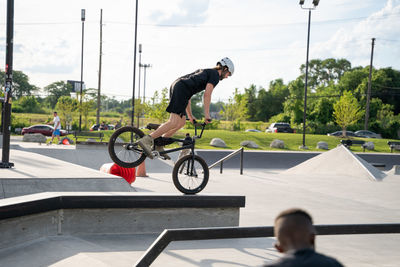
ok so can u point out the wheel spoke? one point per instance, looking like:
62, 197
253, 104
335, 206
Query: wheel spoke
122, 147
190, 174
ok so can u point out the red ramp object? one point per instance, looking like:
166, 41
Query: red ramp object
129, 174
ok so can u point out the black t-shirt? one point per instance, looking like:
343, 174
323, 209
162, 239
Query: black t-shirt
305, 258
197, 81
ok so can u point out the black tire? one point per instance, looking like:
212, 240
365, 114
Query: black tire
186, 181
122, 148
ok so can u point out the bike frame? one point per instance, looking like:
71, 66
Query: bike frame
193, 140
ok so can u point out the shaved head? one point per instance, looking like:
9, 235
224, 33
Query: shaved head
294, 230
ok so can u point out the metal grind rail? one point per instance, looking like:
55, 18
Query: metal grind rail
234, 153
169, 235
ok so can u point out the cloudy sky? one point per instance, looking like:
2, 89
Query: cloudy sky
266, 39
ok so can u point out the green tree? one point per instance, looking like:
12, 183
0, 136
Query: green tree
158, 106
216, 107
385, 115
197, 105
236, 108
27, 104
251, 95
66, 107
347, 111
57, 90
264, 104
279, 91
21, 85
325, 72
322, 111
293, 106
88, 105
140, 109
387, 88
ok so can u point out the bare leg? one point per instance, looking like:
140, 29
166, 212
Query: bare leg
174, 130
173, 123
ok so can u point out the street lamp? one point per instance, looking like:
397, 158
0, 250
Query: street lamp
134, 65
315, 4
145, 66
83, 31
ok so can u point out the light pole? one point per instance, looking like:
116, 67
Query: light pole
369, 87
83, 32
140, 64
145, 66
100, 61
315, 4
134, 65
6, 112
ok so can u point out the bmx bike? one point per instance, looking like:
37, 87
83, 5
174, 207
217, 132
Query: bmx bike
190, 173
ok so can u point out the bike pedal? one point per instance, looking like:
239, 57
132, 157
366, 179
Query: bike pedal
155, 154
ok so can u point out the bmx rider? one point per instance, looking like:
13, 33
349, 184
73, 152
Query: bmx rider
179, 107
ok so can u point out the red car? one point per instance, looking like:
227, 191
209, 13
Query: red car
44, 129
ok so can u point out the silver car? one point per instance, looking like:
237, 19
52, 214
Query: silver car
367, 134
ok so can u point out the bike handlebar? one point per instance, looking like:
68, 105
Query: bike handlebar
197, 124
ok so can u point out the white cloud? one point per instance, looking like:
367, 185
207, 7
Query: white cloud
265, 39
354, 43
186, 12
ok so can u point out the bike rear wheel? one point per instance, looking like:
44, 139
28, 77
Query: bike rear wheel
190, 174
123, 149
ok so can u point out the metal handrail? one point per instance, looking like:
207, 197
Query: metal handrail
169, 235
221, 161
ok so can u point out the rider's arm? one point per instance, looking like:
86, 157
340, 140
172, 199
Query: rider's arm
207, 100
189, 111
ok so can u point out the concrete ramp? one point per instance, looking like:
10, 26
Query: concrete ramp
28, 218
35, 173
394, 171
338, 161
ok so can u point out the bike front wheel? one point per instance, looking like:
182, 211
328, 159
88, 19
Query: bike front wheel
123, 149
190, 174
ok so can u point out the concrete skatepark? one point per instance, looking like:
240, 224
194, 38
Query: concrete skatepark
336, 187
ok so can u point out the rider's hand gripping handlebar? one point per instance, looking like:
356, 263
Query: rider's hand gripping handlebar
200, 125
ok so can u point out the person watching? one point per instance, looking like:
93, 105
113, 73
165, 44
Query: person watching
295, 235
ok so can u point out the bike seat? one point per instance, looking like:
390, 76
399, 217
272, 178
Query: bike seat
152, 126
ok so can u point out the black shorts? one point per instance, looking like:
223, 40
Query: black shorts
179, 96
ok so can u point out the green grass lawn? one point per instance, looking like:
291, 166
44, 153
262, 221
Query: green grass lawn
292, 141
233, 138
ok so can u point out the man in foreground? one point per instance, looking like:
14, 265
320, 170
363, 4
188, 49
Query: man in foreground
295, 235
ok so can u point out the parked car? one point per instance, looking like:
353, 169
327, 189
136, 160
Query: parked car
280, 127
95, 127
253, 130
44, 129
340, 133
367, 134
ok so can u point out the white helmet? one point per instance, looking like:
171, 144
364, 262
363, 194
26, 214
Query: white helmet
226, 62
